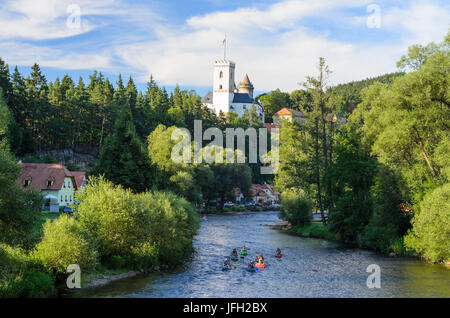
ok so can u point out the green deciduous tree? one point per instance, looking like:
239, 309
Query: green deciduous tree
431, 226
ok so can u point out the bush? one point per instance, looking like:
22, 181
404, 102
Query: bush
174, 224
118, 219
64, 243
21, 277
431, 226
296, 207
317, 230
141, 228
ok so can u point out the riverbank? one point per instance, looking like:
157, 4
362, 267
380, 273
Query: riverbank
317, 230
314, 230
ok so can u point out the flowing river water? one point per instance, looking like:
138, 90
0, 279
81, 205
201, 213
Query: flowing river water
309, 267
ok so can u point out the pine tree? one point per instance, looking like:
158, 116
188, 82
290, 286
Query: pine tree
123, 159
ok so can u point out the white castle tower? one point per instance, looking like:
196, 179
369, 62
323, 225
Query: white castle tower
223, 85
225, 97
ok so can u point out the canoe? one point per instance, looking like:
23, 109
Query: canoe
250, 269
260, 265
244, 253
225, 268
234, 259
278, 255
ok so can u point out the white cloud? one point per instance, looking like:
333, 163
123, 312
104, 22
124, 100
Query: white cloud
276, 45
46, 19
422, 22
26, 54
272, 45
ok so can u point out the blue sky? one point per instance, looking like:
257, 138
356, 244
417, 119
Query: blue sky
277, 43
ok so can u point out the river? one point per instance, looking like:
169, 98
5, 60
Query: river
309, 267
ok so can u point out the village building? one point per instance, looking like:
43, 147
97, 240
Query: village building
289, 115
260, 193
55, 182
226, 96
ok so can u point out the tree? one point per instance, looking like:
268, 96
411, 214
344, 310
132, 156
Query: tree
273, 102
417, 56
296, 207
405, 123
301, 100
123, 159
388, 222
228, 176
322, 110
431, 226
351, 177
296, 169
19, 210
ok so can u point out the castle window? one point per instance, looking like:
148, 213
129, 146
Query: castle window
221, 74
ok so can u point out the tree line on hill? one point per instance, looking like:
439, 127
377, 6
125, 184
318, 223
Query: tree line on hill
384, 176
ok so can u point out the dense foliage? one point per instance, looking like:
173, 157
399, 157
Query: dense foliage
296, 207
388, 164
141, 228
65, 242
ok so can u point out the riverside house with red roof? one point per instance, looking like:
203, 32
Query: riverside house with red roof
55, 182
261, 193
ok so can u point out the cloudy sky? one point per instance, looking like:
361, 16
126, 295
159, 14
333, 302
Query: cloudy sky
277, 43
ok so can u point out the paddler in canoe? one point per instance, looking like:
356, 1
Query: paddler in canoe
226, 263
278, 253
244, 251
260, 261
251, 266
234, 255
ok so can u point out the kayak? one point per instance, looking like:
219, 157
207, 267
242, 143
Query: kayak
234, 259
278, 255
243, 253
250, 269
260, 265
225, 268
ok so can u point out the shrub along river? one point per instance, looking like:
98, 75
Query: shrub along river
309, 267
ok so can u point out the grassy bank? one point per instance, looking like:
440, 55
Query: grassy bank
316, 230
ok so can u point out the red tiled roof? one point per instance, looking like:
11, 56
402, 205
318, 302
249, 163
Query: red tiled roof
79, 177
40, 173
289, 112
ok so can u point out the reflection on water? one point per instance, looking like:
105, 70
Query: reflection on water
309, 268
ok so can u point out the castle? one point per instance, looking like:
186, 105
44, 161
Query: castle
225, 97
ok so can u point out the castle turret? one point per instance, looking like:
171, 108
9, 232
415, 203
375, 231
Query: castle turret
246, 86
223, 85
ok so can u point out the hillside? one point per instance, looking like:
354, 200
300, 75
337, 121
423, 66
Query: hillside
351, 92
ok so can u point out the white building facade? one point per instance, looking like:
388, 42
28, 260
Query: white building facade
226, 97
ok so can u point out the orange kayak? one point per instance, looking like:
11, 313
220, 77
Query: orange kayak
260, 265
